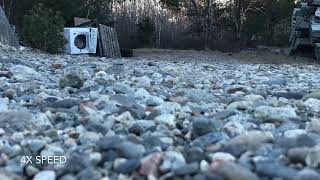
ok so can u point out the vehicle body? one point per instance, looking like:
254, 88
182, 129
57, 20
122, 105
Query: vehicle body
305, 27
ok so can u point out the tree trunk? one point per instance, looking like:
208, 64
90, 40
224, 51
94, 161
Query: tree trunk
237, 18
6, 34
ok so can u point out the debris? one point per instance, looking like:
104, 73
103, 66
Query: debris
108, 42
6, 34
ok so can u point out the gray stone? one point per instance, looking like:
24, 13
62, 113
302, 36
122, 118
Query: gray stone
233, 128
208, 139
275, 170
294, 133
192, 168
239, 105
52, 150
129, 104
203, 125
89, 138
307, 174
198, 95
24, 73
315, 95
127, 167
15, 120
141, 93
31, 170
77, 161
35, 145
252, 138
122, 88
313, 126
109, 143
280, 82
117, 68
68, 177
89, 173
298, 155
154, 101
65, 103
230, 170
289, 95
15, 166
131, 150
194, 154
172, 161
300, 141
10, 93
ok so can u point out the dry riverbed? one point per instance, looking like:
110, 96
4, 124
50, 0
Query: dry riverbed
160, 115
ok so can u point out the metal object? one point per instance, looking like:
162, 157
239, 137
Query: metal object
305, 27
81, 40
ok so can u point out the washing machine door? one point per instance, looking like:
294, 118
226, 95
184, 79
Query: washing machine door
80, 43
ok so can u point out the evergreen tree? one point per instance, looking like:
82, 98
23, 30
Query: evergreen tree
43, 29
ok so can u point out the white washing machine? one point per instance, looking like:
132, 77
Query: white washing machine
81, 40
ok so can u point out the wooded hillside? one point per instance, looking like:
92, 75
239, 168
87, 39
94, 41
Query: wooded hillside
179, 24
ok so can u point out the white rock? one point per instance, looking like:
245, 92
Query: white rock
313, 104
41, 120
253, 137
167, 119
154, 101
45, 175
313, 157
239, 105
141, 93
144, 81
126, 119
222, 156
157, 78
204, 166
21, 72
169, 68
275, 113
313, 125
52, 150
172, 160
294, 133
253, 97
4, 104
168, 107
233, 128
267, 127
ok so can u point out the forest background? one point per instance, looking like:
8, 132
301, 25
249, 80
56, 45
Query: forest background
225, 25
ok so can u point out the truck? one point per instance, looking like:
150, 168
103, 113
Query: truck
305, 27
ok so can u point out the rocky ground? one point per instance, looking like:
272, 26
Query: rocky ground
168, 115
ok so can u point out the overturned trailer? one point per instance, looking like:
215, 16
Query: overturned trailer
305, 27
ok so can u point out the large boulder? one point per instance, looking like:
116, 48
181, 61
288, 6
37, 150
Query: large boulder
6, 34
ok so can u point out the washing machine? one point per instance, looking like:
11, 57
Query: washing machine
81, 40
